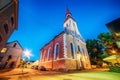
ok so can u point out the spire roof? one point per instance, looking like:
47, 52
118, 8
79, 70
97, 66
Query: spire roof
68, 13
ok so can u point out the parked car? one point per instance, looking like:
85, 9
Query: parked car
36, 67
32, 67
42, 68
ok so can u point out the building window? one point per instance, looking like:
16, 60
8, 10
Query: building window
79, 49
56, 51
6, 28
72, 50
0, 39
1, 59
14, 44
12, 21
49, 53
4, 50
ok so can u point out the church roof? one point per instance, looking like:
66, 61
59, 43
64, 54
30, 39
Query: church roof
52, 39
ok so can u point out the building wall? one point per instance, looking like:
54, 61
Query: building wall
52, 63
8, 17
81, 59
65, 60
15, 52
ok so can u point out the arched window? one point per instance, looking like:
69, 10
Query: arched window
72, 50
6, 28
56, 51
49, 53
44, 54
12, 21
79, 49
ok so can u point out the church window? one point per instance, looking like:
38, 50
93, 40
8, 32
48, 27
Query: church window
72, 50
44, 55
79, 49
56, 51
49, 53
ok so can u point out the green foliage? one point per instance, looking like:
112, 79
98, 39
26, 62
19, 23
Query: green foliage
107, 39
101, 47
95, 50
115, 69
104, 55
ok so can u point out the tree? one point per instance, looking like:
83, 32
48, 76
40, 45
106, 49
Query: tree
95, 50
109, 42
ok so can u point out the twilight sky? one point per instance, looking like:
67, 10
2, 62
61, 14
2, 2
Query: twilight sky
41, 20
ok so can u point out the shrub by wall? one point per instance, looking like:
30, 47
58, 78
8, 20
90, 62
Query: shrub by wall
115, 69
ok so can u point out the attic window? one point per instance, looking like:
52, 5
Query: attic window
15, 45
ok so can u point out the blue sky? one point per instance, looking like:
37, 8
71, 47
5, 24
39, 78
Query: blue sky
41, 20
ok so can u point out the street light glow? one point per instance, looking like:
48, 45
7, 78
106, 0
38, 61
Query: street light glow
27, 53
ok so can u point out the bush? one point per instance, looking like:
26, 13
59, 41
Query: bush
115, 69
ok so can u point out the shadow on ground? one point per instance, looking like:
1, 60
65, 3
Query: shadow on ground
24, 77
21, 73
5, 70
4, 78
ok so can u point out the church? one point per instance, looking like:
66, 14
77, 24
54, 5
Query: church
66, 51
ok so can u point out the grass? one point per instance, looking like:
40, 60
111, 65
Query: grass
77, 76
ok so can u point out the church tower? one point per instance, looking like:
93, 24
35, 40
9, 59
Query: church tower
70, 25
67, 51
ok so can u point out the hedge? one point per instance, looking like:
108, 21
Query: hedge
115, 69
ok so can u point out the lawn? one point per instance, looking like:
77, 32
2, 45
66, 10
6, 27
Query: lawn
76, 76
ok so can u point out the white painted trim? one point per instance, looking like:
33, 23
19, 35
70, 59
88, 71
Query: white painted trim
65, 45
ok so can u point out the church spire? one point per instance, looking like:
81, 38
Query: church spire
68, 13
70, 25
